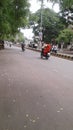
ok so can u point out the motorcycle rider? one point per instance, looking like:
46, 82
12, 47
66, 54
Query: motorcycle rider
45, 52
43, 46
46, 48
23, 46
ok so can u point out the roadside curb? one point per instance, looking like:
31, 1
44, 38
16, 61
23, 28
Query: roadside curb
60, 55
64, 56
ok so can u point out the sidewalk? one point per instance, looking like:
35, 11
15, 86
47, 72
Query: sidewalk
65, 51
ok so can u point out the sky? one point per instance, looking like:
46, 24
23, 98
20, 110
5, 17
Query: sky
35, 5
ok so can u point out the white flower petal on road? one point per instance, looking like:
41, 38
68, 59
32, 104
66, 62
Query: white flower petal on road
30, 119
61, 109
25, 126
27, 115
55, 70
33, 121
9, 116
14, 100
58, 111
44, 105
38, 118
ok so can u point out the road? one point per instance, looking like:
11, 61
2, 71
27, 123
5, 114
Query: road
35, 94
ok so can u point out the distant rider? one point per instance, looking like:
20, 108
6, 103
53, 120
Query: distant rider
23, 46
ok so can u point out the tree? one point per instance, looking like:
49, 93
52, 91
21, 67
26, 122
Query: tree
19, 11
65, 36
4, 24
66, 12
66, 9
13, 15
21, 37
51, 24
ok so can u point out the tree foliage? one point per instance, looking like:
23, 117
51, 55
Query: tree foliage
51, 24
13, 15
65, 36
66, 9
66, 12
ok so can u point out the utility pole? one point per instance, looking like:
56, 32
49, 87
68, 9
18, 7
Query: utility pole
41, 12
40, 32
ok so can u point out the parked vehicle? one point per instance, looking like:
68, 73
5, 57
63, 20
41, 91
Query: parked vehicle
33, 45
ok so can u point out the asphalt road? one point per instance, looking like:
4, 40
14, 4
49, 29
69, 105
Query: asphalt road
35, 94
